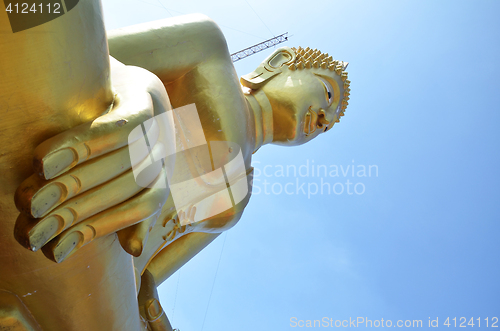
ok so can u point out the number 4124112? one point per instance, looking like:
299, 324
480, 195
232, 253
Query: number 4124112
463, 322
23, 8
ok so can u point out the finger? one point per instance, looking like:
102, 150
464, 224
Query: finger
187, 217
133, 239
156, 317
33, 234
37, 197
144, 205
149, 306
192, 212
89, 140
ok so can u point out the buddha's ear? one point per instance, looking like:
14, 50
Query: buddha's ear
269, 68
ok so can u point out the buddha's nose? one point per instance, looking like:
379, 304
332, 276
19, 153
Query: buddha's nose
315, 120
322, 121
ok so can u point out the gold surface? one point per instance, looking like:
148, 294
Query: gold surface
53, 77
84, 207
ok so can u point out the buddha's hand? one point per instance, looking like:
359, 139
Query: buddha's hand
84, 186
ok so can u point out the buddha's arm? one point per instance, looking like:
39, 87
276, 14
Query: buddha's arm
169, 48
190, 56
178, 253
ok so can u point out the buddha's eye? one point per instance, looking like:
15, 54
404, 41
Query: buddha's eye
328, 90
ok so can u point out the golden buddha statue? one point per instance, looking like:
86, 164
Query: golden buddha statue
78, 110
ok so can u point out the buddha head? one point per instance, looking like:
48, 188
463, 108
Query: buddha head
307, 90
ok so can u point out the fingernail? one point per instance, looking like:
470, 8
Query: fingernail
47, 198
68, 246
135, 247
44, 231
154, 309
57, 162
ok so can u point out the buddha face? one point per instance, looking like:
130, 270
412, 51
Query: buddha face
307, 91
305, 104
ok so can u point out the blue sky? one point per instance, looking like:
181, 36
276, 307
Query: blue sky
422, 240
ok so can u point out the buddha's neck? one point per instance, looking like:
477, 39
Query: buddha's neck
261, 109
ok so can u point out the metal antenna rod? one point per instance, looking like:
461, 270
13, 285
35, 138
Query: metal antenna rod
259, 47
